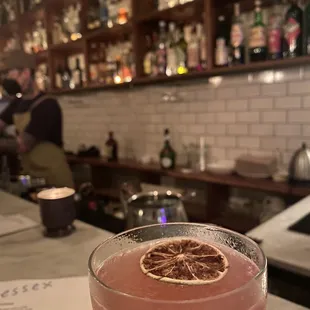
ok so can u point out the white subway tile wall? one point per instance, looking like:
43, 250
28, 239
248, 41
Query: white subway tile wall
247, 113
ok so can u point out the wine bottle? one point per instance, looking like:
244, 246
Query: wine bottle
258, 37
167, 155
111, 148
275, 27
77, 74
293, 27
58, 78
237, 37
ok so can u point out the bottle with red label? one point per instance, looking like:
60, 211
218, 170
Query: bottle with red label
237, 37
275, 31
293, 31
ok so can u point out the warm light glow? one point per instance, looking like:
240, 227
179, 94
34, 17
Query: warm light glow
216, 80
117, 80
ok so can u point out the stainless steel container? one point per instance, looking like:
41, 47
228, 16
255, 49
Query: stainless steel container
154, 208
299, 169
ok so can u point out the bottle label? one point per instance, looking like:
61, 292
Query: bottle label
236, 35
292, 31
166, 162
147, 64
221, 53
257, 37
274, 41
58, 81
161, 60
76, 77
193, 55
203, 50
109, 151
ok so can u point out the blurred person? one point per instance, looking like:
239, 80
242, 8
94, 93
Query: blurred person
38, 121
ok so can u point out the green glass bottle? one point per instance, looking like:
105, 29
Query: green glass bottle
258, 36
167, 155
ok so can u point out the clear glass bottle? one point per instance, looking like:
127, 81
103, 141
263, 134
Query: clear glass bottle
193, 50
181, 48
237, 37
202, 47
221, 42
161, 50
172, 63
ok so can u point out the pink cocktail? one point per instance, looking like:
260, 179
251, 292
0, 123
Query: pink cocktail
117, 281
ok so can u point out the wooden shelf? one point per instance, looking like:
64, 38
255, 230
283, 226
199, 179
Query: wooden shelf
182, 12
266, 185
108, 33
143, 21
91, 88
253, 67
71, 46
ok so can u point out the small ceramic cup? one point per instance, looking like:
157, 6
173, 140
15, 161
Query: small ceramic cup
57, 209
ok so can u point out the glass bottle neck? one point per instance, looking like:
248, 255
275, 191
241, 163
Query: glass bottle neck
258, 16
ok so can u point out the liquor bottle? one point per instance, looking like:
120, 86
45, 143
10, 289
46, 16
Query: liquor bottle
193, 50
181, 49
172, 3
122, 16
77, 74
4, 14
154, 54
111, 146
147, 61
258, 37
307, 28
293, 31
161, 50
104, 12
93, 15
162, 5
221, 42
58, 78
172, 61
167, 155
202, 47
275, 26
237, 38
66, 77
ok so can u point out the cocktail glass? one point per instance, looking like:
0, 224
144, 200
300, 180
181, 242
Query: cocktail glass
124, 286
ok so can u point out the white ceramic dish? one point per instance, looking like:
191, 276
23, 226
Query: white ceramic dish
222, 167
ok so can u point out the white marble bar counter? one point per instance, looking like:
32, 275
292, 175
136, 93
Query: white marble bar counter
28, 255
284, 248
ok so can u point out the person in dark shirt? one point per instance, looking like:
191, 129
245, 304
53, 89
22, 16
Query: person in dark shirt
38, 121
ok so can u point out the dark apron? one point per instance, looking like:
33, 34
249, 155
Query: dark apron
46, 160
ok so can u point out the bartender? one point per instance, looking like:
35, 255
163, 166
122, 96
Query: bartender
38, 121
